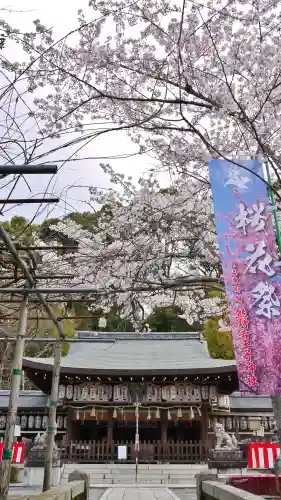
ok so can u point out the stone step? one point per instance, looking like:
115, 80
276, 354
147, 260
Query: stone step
148, 473
193, 467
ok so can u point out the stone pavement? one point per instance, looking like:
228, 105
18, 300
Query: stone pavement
139, 493
122, 493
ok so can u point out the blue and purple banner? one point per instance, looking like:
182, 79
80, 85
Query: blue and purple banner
251, 271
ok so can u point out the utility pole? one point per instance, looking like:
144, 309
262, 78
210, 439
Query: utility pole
52, 424
5, 464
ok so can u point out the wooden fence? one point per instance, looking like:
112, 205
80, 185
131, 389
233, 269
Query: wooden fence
149, 452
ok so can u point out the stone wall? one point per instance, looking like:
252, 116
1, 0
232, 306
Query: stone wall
75, 490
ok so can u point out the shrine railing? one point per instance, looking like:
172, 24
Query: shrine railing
149, 452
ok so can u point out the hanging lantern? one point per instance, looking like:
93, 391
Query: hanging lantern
38, 422
191, 413
77, 415
93, 412
114, 413
179, 413
169, 415
157, 413
45, 422
59, 422
148, 414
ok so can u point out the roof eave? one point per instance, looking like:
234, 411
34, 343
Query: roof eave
147, 371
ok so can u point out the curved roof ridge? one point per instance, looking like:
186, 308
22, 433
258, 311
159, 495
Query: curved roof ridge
83, 334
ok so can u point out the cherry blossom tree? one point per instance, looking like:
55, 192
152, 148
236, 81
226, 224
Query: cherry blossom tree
151, 248
187, 80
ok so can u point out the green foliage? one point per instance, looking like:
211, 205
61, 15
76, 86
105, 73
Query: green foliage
219, 342
21, 229
45, 231
114, 322
167, 319
88, 220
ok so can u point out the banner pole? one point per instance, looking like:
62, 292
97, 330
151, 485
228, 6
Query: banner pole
277, 228
276, 400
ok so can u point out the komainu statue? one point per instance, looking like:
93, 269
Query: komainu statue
40, 440
224, 440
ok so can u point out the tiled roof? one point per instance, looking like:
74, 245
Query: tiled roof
27, 399
137, 353
238, 402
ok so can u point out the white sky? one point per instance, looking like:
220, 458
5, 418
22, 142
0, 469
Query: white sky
61, 16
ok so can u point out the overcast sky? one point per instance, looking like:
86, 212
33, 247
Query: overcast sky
61, 16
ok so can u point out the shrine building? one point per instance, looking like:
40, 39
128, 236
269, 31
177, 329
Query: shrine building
166, 385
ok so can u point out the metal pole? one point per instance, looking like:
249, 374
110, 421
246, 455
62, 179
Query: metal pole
28, 169
5, 464
10, 246
276, 400
54, 340
40, 277
42, 249
19, 291
54, 301
20, 201
52, 426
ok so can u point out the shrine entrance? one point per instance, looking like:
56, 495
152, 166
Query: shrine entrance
126, 431
189, 430
89, 430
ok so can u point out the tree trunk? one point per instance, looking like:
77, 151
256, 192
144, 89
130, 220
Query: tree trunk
5, 465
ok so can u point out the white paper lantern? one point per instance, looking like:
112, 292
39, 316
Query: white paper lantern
38, 422
93, 392
85, 393
45, 422
31, 421
205, 392
61, 391
23, 421
2, 421
69, 392
213, 394
243, 423
197, 394
77, 393
60, 422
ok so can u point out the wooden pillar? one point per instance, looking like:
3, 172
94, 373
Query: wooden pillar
205, 424
164, 426
70, 417
110, 423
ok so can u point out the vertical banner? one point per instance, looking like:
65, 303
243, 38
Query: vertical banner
251, 272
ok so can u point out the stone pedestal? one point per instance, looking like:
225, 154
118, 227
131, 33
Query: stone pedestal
224, 459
